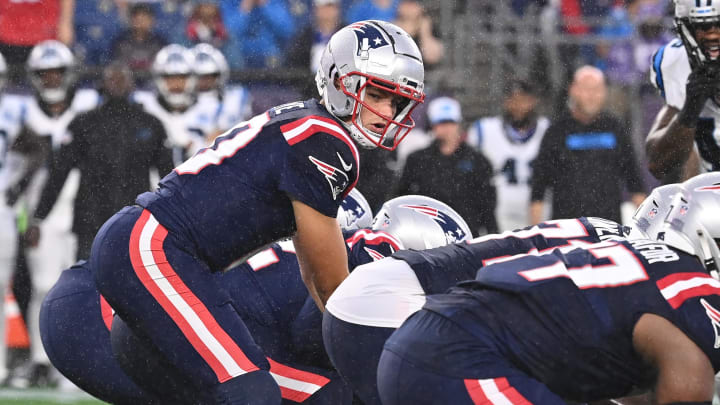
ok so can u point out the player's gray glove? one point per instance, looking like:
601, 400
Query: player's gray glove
701, 85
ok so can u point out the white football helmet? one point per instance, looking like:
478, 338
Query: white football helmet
691, 15
175, 61
46, 58
693, 224
354, 212
650, 215
378, 54
420, 222
209, 61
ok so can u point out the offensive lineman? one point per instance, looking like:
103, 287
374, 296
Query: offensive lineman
279, 174
687, 73
370, 314
645, 316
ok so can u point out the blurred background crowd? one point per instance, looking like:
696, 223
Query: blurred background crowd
504, 80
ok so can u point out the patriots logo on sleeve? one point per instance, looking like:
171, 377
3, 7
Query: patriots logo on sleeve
337, 184
453, 231
368, 36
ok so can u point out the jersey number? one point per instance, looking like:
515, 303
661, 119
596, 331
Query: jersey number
623, 268
225, 146
509, 171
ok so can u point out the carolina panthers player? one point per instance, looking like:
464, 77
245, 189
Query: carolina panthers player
11, 115
644, 316
268, 292
687, 73
360, 308
174, 102
282, 173
233, 103
511, 142
51, 68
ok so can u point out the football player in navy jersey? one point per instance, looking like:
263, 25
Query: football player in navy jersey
282, 173
584, 324
358, 308
268, 293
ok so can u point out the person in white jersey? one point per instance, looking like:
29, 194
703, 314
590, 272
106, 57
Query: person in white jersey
511, 142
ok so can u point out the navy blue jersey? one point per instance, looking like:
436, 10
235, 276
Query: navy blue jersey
440, 268
235, 196
567, 318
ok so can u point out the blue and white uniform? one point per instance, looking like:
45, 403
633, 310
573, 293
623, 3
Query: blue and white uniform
376, 298
512, 158
57, 246
508, 337
234, 104
669, 74
187, 130
156, 262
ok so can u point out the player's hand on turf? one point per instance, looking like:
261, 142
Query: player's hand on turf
701, 85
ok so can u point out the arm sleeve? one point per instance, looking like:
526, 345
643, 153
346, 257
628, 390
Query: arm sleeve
61, 162
543, 168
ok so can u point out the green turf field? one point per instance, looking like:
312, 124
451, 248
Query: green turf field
45, 397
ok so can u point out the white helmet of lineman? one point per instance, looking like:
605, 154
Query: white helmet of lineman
371, 53
650, 215
691, 15
210, 65
354, 212
174, 76
3, 72
51, 68
693, 224
420, 222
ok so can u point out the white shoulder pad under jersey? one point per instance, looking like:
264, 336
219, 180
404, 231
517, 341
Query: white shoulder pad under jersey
669, 71
56, 127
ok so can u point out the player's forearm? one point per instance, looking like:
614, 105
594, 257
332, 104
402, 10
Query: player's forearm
669, 149
320, 277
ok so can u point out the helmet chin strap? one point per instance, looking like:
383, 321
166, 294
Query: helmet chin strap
709, 258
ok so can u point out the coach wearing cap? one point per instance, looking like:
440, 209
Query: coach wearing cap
451, 171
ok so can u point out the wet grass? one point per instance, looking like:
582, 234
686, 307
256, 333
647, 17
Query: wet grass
36, 396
